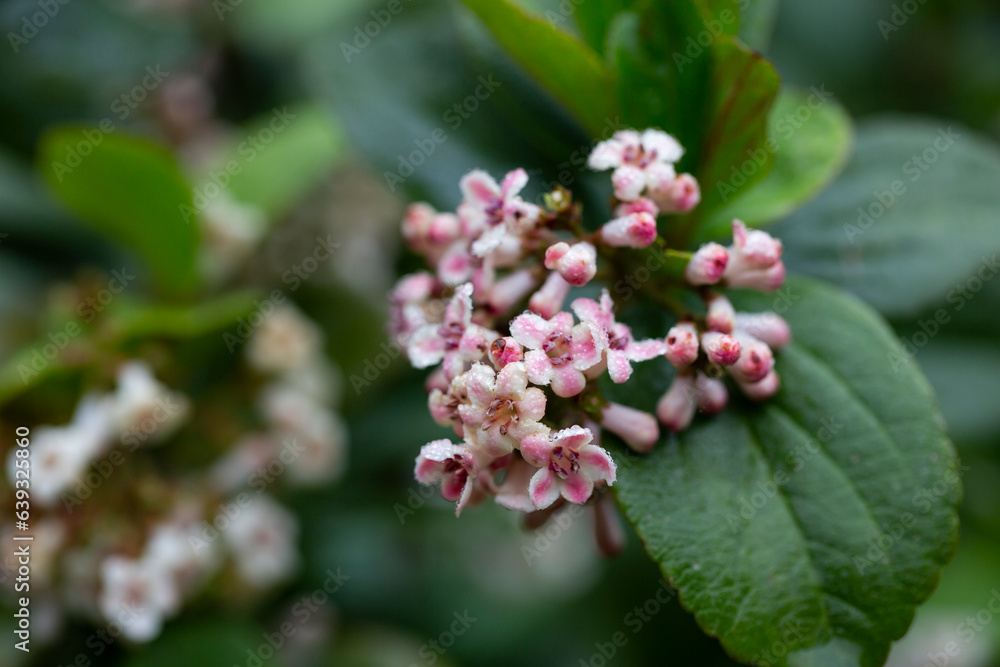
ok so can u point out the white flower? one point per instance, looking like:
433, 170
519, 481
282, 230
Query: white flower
144, 409
262, 539
285, 340
58, 455
139, 594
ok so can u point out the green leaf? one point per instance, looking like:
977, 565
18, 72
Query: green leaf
593, 19
654, 75
565, 66
131, 319
744, 86
205, 641
131, 191
722, 17
306, 143
916, 247
810, 138
815, 522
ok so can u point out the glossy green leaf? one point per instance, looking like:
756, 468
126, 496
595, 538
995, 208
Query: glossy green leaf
722, 17
571, 71
593, 19
131, 191
655, 70
743, 88
280, 157
810, 136
910, 223
812, 524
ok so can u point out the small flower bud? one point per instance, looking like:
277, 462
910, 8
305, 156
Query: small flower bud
721, 348
767, 326
640, 205
712, 394
755, 361
637, 230
682, 344
763, 390
505, 351
637, 428
753, 248
608, 529
549, 300
676, 407
682, 195
707, 265
629, 182
765, 280
721, 315
577, 264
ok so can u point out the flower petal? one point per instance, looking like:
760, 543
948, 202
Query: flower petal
530, 330
619, 367
598, 464
567, 381
543, 489
512, 381
577, 489
480, 188
532, 404
588, 345
643, 350
426, 346
539, 367
513, 183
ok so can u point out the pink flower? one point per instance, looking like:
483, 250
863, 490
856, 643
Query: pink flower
456, 341
721, 348
640, 161
549, 300
682, 344
721, 315
634, 230
502, 409
767, 326
569, 465
505, 351
637, 428
577, 264
560, 351
510, 290
708, 265
456, 264
428, 232
453, 466
762, 390
622, 350
640, 205
513, 493
489, 212
754, 260
682, 195
755, 361
676, 407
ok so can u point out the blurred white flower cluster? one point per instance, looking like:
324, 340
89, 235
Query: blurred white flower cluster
122, 538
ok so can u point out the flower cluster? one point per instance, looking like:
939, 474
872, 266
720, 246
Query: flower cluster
152, 541
518, 371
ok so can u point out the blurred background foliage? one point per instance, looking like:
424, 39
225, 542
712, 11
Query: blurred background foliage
411, 564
